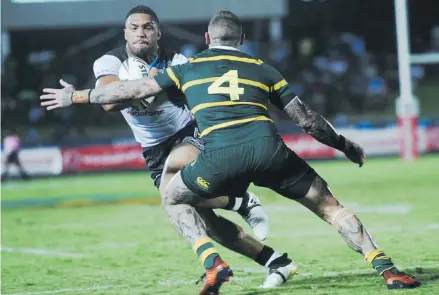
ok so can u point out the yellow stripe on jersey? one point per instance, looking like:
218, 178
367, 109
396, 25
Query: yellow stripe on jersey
225, 103
197, 82
173, 77
213, 79
254, 83
231, 123
227, 57
279, 85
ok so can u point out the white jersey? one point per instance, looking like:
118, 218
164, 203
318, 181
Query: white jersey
151, 123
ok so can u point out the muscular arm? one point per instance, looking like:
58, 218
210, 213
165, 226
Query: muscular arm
105, 80
123, 91
314, 124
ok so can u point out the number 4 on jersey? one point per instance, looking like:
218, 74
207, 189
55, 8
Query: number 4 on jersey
233, 90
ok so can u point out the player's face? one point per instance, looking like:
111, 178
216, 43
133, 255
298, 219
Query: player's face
141, 34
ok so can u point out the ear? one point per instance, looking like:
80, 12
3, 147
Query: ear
159, 35
207, 37
242, 39
125, 34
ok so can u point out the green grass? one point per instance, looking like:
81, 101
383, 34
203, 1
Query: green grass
132, 249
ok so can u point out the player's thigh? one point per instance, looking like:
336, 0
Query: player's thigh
179, 156
288, 174
216, 173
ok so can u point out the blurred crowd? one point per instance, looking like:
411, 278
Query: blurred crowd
337, 78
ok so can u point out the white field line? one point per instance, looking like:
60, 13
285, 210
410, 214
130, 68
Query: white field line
42, 252
388, 209
329, 232
356, 207
95, 288
297, 234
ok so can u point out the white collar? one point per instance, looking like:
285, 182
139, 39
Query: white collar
223, 47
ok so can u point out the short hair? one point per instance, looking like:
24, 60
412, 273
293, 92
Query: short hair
225, 28
142, 9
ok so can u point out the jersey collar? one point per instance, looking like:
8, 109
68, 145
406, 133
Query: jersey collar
223, 47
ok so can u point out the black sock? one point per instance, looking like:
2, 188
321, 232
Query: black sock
243, 208
231, 204
264, 255
238, 204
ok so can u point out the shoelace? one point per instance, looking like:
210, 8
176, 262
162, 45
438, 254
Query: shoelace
200, 279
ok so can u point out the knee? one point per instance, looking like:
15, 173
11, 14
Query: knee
338, 215
168, 194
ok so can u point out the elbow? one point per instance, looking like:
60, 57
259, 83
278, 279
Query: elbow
110, 108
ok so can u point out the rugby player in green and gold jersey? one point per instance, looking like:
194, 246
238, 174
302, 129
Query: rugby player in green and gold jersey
228, 92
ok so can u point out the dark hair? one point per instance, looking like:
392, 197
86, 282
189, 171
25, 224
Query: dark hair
229, 25
143, 10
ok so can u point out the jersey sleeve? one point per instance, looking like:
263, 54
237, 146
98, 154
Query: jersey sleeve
280, 91
106, 65
172, 77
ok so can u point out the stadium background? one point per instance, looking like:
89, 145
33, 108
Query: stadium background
338, 55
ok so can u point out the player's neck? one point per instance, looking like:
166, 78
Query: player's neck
225, 47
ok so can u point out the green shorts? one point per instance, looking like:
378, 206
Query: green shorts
264, 161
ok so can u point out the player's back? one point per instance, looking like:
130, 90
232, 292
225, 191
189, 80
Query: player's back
228, 91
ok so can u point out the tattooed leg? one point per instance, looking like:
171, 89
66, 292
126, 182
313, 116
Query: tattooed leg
320, 200
178, 204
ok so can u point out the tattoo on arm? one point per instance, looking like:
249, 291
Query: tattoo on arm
125, 91
313, 123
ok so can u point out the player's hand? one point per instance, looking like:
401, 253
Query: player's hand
153, 72
57, 98
354, 152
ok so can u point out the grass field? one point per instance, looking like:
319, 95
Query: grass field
132, 249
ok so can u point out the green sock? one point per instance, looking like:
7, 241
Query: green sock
380, 261
206, 252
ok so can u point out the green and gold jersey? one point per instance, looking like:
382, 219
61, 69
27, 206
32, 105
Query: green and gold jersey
228, 92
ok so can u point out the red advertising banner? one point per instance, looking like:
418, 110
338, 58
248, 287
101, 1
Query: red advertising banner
376, 142
307, 147
102, 157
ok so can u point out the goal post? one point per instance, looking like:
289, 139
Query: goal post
407, 105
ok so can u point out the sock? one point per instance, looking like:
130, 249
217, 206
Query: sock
267, 256
206, 252
234, 204
380, 261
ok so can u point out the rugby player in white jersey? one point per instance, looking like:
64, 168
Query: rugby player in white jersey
169, 137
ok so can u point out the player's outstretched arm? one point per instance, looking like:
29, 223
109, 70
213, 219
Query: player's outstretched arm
117, 92
105, 80
318, 127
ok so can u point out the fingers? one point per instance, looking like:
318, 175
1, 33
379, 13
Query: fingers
153, 72
53, 107
48, 103
50, 90
64, 83
48, 96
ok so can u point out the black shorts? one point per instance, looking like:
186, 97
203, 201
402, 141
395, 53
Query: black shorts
156, 156
12, 158
265, 161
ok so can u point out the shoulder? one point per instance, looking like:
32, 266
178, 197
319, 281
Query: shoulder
120, 53
109, 63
